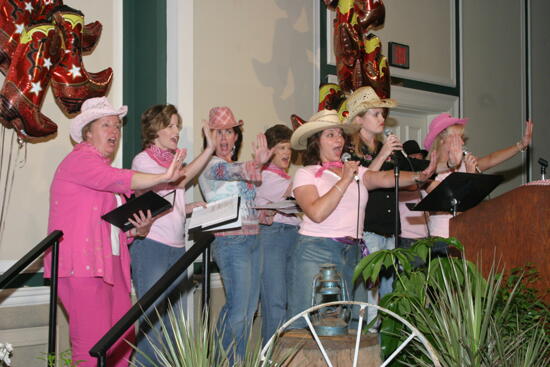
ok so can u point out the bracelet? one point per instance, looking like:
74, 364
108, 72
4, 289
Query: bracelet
417, 178
339, 189
451, 166
520, 147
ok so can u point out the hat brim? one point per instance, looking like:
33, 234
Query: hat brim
227, 126
364, 106
298, 140
84, 118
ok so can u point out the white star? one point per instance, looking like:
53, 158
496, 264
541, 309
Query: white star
47, 63
28, 7
19, 28
75, 71
36, 88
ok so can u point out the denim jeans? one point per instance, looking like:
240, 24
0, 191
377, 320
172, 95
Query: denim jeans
276, 243
375, 243
150, 261
239, 261
309, 253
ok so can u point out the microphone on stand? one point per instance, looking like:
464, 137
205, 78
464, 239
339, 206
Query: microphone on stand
388, 132
346, 157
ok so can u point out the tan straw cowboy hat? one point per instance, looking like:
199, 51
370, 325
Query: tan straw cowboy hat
363, 99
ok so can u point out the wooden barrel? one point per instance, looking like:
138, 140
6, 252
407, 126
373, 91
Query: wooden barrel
340, 349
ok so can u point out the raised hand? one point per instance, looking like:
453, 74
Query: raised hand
455, 150
176, 170
527, 134
261, 152
210, 137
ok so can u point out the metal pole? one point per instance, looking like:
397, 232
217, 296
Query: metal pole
206, 285
53, 300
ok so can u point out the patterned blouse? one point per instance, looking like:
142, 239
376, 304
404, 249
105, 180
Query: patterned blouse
220, 180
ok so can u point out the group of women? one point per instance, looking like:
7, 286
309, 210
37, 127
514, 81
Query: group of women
272, 256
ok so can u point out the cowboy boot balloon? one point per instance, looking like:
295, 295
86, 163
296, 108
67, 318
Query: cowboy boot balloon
25, 86
71, 83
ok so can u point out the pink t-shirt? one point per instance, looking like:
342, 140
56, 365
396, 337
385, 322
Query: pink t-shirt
413, 223
439, 221
168, 229
274, 188
342, 222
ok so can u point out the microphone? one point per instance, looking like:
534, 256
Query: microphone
346, 157
465, 152
388, 132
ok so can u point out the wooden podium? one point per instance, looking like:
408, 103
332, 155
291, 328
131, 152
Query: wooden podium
513, 228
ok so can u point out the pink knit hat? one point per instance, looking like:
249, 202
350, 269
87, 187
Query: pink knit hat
91, 110
222, 118
440, 123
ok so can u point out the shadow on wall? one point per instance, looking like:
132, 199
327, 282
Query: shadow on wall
289, 73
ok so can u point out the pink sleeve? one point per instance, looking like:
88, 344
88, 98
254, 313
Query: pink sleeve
303, 177
92, 172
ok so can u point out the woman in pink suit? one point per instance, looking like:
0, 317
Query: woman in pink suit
94, 262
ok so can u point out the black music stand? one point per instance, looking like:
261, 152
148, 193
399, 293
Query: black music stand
458, 192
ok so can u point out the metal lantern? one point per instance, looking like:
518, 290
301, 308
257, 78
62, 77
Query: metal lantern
329, 286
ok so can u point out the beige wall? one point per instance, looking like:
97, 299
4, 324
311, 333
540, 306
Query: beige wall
27, 214
257, 58
493, 90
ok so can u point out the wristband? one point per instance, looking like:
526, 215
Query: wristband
451, 166
339, 189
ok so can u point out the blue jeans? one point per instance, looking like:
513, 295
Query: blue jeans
276, 243
309, 253
150, 261
239, 261
375, 243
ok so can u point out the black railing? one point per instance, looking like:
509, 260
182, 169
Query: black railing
202, 246
30, 257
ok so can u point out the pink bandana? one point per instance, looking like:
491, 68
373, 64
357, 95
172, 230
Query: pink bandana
273, 168
328, 165
161, 156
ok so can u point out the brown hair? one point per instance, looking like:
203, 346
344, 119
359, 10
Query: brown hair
277, 134
156, 118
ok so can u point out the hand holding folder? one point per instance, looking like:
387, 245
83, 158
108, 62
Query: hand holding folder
148, 201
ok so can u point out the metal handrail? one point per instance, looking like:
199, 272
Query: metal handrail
7, 277
202, 246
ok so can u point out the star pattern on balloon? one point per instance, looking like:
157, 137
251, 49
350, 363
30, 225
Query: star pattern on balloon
75, 71
28, 7
36, 88
47, 63
19, 28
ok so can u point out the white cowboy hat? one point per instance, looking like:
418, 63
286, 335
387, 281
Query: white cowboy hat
324, 119
91, 110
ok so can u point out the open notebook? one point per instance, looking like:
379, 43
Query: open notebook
218, 215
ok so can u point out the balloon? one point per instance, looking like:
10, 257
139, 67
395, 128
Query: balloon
359, 60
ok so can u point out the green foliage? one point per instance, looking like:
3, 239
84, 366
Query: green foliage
65, 358
199, 346
469, 320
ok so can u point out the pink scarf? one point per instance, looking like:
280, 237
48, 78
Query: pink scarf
161, 156
328, 165
273, 168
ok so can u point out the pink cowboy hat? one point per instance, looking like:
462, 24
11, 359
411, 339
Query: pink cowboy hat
91, 110
222, 118
440, 123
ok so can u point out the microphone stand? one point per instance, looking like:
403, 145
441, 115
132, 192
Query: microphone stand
396, 190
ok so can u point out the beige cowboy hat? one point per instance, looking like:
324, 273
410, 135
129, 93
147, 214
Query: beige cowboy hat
324, 119
363, 99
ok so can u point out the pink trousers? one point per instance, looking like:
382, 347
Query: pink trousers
93, 307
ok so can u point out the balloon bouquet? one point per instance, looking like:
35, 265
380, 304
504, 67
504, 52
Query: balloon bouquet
42, 41
359, 58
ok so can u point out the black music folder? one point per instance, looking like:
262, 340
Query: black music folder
148, 201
